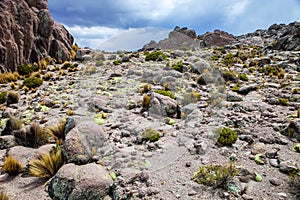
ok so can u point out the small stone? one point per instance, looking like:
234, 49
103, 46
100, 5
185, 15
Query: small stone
178, 196
283, 195
192, 193
275, 181
258, 148
188, 164
244, 179
4, 177
147, 154
273, 162
247, 197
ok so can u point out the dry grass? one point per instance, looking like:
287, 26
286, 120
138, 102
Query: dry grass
46, 165
9, 77
3, 196
57, 131
12, 166
43, 63
34, 137
12, 98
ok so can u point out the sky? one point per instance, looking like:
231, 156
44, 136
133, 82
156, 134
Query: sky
103, 23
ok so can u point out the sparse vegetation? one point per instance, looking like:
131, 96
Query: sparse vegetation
145, 88
283, 101
228, 59
12, 166
32, 82
216, 176
146, 101
150, 135
154, 56
226, 136
66, 65
46, 165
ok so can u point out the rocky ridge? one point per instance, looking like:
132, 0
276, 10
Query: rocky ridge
28, 34
251, 88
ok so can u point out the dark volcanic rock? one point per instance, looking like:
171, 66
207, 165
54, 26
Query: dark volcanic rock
290, 39
28, 33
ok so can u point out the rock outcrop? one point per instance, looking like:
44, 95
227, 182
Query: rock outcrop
179, 38
28, 33
217, 38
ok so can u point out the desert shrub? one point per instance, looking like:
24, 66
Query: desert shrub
67, 65
12, 97
216, 176
43, 63
178, 67
226, 136
3, 196
273, 70
12, 166
117, 62
46, 165
236, 87
283, 101
214, 57
33, 137
27, 69
155, 55
165, 93
150, 135
32, 82
243, 77
3, 96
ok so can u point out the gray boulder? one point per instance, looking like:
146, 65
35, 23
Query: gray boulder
293, 130
161, 105
83, 141
75, 182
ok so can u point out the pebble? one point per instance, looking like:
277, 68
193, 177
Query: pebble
147, 154
247, 197
275, 181
273, 162
4, 177
192, 193
282, 194
188, 164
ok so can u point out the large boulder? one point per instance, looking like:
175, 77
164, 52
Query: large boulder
83, 141
89, 181
28, 34
218, 38
163, 106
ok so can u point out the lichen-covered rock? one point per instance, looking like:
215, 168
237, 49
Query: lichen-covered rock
75, 182
30, 36
83, 141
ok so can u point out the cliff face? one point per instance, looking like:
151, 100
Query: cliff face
28, 33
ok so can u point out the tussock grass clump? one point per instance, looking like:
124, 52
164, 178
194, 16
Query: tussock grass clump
27, 69
216, 176
117, 62
226, 136
12, 124
146, 101
8, 77
3, 196
12, 166
243, 77
57, 131
283, 101
145, 88
46, 165
33, 137
12, 98
32, 82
